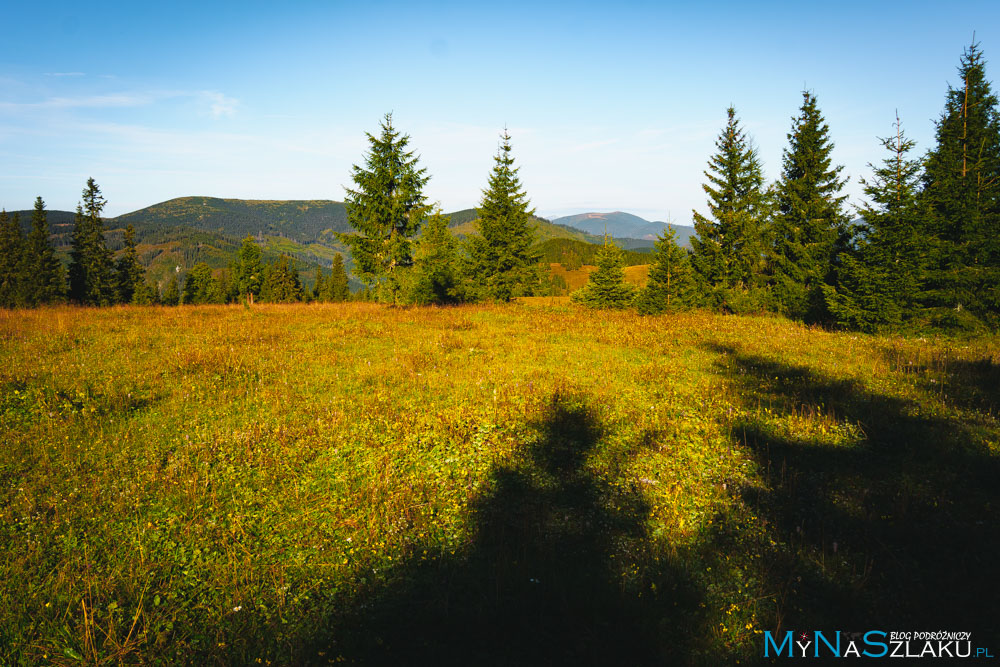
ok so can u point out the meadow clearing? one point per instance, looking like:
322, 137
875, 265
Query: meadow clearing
519, 484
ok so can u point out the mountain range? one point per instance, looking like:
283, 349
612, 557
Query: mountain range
621, 225
174, 235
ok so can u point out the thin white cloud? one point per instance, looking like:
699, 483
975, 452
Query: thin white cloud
221, 105
86, 102
215, 103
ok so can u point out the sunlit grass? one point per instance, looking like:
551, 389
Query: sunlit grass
227, 484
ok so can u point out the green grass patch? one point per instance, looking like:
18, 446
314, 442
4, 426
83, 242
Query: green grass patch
308, 484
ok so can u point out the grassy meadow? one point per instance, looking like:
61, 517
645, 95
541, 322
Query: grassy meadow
521, 484
577, 278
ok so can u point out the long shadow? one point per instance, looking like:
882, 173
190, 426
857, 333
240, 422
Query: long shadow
970, 384
896, 530
557, 572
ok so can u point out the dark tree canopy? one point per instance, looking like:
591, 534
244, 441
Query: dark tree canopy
92, 273
962, 190
45, 277
131, 275
606, 287
282, 283
880, 278
11, 248
337, 286
672, 284
810, 222
386, 208
501, 262
436, 280
201, 287
729, 243
171, 293
248, 271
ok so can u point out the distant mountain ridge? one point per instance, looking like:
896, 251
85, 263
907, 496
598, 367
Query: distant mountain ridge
621, 225
183, 231
462, 223
304, 221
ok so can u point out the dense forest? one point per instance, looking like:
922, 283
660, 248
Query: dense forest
922, 251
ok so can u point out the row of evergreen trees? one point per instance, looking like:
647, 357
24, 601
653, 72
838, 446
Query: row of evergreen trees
925, 249
249, 279
31, 274
387, 207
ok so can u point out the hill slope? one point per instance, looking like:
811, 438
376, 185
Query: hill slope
463, 223
624, 225
300, 220
174, 235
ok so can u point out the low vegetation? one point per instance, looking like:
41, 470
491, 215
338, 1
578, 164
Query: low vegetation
307, 484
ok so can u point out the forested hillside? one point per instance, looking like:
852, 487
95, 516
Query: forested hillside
303, 221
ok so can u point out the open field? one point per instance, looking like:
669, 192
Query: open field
577, 278
483, 485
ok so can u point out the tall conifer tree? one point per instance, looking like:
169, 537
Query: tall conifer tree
810, 226
606, 287
11, 254
248, 271
171, 293
729, 244
436, 280
962, 190
337, 287
880, 277
672, 284
46, 279
92, 275
386, 208
501, 263
131, 275
201, 287
282, 283
319, 284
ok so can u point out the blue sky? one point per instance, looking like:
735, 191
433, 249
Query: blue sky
610, 107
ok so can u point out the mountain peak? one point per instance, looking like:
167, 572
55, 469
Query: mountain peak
621, 225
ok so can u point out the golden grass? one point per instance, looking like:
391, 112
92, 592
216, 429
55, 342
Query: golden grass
225, 484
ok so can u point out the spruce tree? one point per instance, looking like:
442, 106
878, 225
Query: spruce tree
436, 264
46, 278
92, 274
810, 225
130, 273
728, 245
962, 190
337, 287
501, 264
672, 284
887, 268
146, 294
879, 278
171, 293
282, 284
201, 287
606, 287
319, 284
248, 271
386, 208
11, 253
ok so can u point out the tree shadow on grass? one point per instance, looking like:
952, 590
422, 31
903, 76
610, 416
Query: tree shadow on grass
896, 530
965, 383
557, 570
